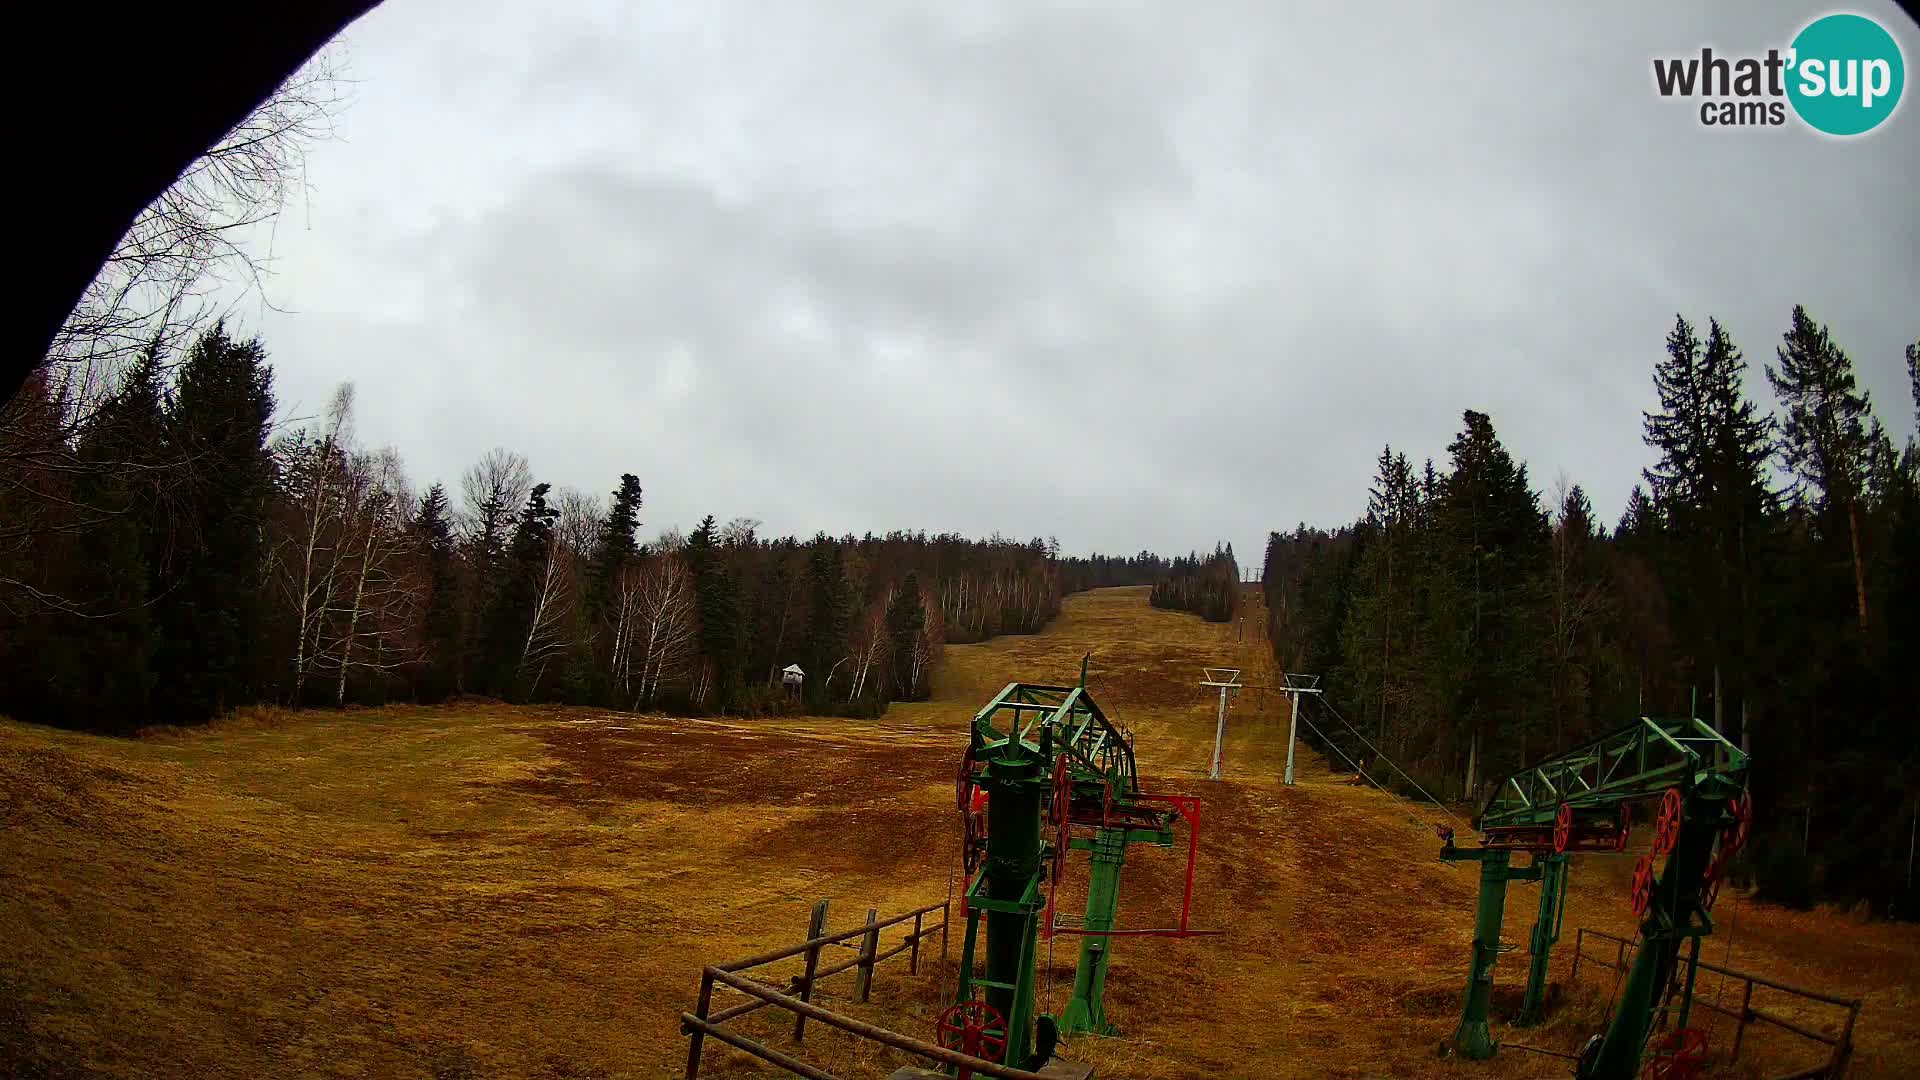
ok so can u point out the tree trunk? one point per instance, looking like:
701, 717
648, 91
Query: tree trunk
353, 615
1859, 567
1473, 763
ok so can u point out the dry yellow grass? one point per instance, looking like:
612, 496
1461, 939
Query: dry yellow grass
481, 891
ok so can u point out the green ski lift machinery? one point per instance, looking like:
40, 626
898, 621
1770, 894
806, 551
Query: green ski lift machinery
1579, 802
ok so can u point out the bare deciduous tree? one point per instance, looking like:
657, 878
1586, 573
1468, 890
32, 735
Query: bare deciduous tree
385, 598
549, 630
155, 289
668, 623
494, 488
583, 518
313, 471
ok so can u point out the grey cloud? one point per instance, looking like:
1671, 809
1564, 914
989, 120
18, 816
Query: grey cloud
1129, 274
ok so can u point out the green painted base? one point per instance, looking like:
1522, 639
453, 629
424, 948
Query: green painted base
1473, 1041
1079, 1020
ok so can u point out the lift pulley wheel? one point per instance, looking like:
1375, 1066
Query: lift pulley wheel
1679, 1056
1642, 894
963, 784
974, 840
1061, 815
974, 1028
1742, 811
1562, 829
1666, 827
1626, 827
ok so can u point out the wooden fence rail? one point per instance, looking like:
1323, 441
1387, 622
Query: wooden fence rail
1840, 1046
798, 994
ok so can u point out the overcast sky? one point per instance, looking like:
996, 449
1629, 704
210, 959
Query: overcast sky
1132, 275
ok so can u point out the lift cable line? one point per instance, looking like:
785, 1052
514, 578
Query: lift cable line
1390, 762
1421, 823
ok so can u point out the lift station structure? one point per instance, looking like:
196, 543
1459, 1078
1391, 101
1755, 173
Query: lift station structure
1579, 802
1046, 772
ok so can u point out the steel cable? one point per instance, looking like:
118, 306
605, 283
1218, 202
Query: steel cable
1423, 823
1390, 762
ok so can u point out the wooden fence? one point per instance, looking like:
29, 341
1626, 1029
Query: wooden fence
796, 997
1840, 1046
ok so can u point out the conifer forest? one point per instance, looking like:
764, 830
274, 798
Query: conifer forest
1765, 576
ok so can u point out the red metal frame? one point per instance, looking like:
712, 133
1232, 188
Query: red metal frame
1188, 807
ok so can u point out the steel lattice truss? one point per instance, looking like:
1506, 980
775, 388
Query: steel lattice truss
1584, 789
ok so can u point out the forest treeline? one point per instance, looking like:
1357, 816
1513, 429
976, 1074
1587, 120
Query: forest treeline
1208, 586
1080, 573
1765, 577
166, 555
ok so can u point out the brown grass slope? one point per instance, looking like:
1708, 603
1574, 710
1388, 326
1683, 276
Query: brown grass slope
503, 892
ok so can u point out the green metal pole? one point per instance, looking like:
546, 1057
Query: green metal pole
1014, 786
1471, 1038
1546, 933
1086, 1010
1676, 895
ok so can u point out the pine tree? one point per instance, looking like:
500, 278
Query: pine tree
1824, 440
441, 624
211, 612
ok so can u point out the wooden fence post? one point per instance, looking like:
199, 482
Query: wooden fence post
1579, 939
698, 1036
1746, 1017
1843, 1050
913, 954
869, 945
816, 926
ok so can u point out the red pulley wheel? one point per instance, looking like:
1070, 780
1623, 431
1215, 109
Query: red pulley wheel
974, 1028
1562, 829
1626, 828
1679, 1056
1642, 895
1742, 811
1666, 827
963, 784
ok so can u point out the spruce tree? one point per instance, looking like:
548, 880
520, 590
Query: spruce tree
505, 637
906, 620
828, 617
1496, 540
617, 545
1824, 439
719, 603
1710, 489
211, 612
100, 671
441, 625
772, 622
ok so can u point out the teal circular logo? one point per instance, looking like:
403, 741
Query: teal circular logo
1845, 74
